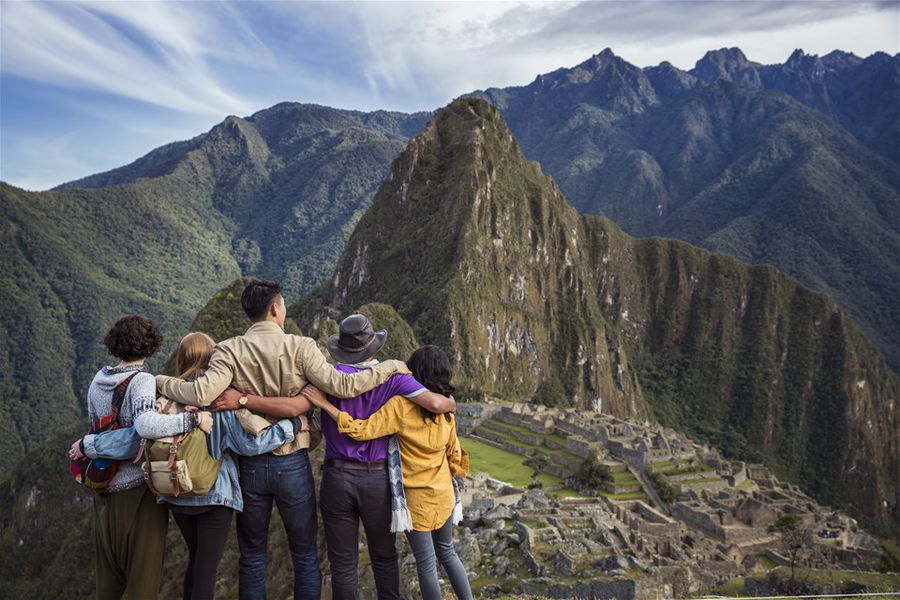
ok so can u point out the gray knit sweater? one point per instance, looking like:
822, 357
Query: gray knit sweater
138, 411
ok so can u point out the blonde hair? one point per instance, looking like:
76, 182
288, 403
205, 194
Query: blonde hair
193, 354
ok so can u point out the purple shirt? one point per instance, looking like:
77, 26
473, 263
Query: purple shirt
339, 445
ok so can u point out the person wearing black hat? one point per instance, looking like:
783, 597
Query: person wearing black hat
355, 482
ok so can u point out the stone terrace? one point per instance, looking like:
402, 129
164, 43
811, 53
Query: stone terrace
720, 516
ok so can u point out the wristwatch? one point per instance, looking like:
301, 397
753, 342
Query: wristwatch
243, 400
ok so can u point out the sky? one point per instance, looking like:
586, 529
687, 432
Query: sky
89, 86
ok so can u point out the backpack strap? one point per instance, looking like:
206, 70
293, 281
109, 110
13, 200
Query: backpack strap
119, 395
173, 464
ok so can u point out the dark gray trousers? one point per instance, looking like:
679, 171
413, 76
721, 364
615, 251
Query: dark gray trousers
347, 496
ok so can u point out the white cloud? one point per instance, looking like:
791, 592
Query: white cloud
150, 51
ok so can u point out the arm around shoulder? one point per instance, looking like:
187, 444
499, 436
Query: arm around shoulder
203, 390
387, 420
434, 402
343, 385
150, 423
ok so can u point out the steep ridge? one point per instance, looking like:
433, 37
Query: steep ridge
479, 252
292, 178
860, 94
792, 165
443, 245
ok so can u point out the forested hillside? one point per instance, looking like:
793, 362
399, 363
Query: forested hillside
274, 195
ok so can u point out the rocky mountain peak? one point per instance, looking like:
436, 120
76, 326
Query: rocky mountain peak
730, 64
797, 56
670, 81
489, 265
600, 60
838, 60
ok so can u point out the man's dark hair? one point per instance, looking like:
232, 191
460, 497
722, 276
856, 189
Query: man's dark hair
133, 337
257, 296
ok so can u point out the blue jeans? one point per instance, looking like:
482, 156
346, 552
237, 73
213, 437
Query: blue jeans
288, 481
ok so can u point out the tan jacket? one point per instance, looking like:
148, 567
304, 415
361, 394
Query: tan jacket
266, 361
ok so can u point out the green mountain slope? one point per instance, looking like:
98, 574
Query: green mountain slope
274, 195
291, 180
742, 170
533, 300
72, 262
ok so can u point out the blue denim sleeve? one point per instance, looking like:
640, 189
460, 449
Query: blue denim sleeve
227, 434
118, 444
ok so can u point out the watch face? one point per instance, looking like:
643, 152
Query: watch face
243, 400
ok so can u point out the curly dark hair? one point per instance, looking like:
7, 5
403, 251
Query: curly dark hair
133, 337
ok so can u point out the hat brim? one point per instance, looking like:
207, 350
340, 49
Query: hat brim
342, 356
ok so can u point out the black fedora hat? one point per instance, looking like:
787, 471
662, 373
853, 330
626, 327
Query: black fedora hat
356, 340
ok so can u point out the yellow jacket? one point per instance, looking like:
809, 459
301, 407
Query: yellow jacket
429, 451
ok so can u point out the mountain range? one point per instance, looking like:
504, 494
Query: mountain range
273, 195
794, 165
790, 164
535, 302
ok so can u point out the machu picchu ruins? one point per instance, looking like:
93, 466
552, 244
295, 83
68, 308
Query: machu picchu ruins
624, 540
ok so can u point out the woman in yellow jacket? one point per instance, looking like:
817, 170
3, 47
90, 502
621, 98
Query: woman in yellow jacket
431, 455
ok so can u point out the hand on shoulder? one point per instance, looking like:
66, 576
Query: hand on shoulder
402, 368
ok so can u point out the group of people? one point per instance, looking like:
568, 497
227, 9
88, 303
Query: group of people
392, 456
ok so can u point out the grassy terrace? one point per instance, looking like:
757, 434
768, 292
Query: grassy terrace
686, 469
511, 436
699, 480
505, 434
508, 466
497, 423
626, 496
745, 484
672, 464
501, 464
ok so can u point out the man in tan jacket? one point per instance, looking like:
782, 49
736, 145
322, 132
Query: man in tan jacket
265, 361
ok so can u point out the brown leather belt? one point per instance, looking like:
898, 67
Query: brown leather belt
339, 463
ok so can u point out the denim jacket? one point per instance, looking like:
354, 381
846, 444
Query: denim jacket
227, 436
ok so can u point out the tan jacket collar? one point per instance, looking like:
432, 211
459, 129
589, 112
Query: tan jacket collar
264, 327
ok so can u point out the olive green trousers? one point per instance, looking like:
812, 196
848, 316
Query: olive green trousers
129, 544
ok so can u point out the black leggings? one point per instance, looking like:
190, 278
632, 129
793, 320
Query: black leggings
205, 534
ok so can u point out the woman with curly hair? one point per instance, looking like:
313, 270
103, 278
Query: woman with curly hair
129, 525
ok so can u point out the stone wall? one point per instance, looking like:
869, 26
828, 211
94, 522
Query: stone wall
712, 486
470, 416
